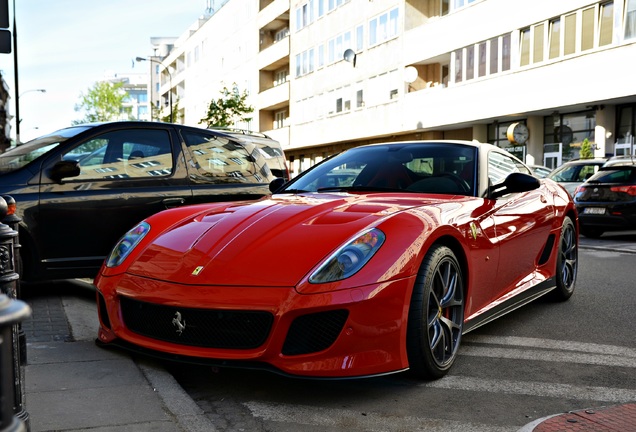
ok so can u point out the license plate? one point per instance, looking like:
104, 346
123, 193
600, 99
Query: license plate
594, 210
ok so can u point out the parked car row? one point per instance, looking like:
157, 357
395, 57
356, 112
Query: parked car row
79, 189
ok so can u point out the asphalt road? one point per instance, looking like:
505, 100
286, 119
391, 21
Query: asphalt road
543, 359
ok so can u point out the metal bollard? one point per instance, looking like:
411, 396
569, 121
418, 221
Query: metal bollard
11, 312
8, 285
12, 220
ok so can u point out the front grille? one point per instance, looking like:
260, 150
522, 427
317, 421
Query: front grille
209, 328
314, 332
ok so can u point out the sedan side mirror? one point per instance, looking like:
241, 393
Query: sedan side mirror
64, 169
276, 184
514, 183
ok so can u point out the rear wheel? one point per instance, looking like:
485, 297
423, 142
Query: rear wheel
567, 262
436, 314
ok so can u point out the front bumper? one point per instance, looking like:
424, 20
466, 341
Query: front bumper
344, 333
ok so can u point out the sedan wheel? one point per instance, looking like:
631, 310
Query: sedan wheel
567, 262
436, 314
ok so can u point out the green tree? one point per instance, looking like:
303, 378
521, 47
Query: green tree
229, 109
586, 150
102, 102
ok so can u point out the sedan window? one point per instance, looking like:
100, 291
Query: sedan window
222, 160
131, 153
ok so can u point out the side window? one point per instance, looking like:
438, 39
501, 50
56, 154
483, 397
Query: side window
130, 153
500, 166
221, 160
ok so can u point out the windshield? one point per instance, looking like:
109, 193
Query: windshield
615, 174
574, 172
422, 167
22, 155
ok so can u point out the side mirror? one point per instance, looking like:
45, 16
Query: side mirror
514, 183
64, 169
276, 184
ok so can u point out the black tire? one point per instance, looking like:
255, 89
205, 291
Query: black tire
436, 314
592, 232
567, 262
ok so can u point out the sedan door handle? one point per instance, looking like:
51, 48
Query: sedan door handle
173, 202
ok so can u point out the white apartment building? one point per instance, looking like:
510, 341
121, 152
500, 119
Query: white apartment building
326, 75
135, 105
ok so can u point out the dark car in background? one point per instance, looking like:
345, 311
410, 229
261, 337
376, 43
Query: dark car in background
607, 201
79, 189
573, 173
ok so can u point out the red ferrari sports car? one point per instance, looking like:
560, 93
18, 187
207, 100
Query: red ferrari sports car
374, 261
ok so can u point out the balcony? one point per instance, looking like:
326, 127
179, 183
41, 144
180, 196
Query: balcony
275, 56
274, 98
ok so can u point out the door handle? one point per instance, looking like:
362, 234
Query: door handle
173, 202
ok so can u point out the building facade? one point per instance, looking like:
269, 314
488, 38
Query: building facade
326, 75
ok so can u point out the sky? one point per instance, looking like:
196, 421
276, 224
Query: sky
65, 46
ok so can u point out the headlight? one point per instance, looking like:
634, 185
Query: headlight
350, 258
127, 243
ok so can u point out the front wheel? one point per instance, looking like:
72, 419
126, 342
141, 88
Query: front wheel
436, 314
567, 262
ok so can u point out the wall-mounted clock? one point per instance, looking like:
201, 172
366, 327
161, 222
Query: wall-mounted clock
517, 133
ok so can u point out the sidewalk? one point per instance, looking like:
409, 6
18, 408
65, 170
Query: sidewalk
70, 384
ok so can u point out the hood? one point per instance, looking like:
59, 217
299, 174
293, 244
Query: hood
272, 242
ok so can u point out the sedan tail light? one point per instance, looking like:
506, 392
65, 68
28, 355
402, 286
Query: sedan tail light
629, 189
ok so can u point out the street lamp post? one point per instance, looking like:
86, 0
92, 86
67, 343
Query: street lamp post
139, 59
18, 119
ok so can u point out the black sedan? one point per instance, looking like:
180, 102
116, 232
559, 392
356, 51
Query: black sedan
79, 189
607, 201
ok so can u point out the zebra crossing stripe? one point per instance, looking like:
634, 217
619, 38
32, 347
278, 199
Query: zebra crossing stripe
530, 388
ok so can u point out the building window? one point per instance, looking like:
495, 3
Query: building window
482, 59
359, 99
606, 27
630, 19
494, 55
359, 38
383, 27
281, 34
505, 53
339, 105
279, 119
331, 51
587, 29
321, 56
555, 38
539, 36
470, 62
569, 39
458, 66
524, 53
570, 130
280, 77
